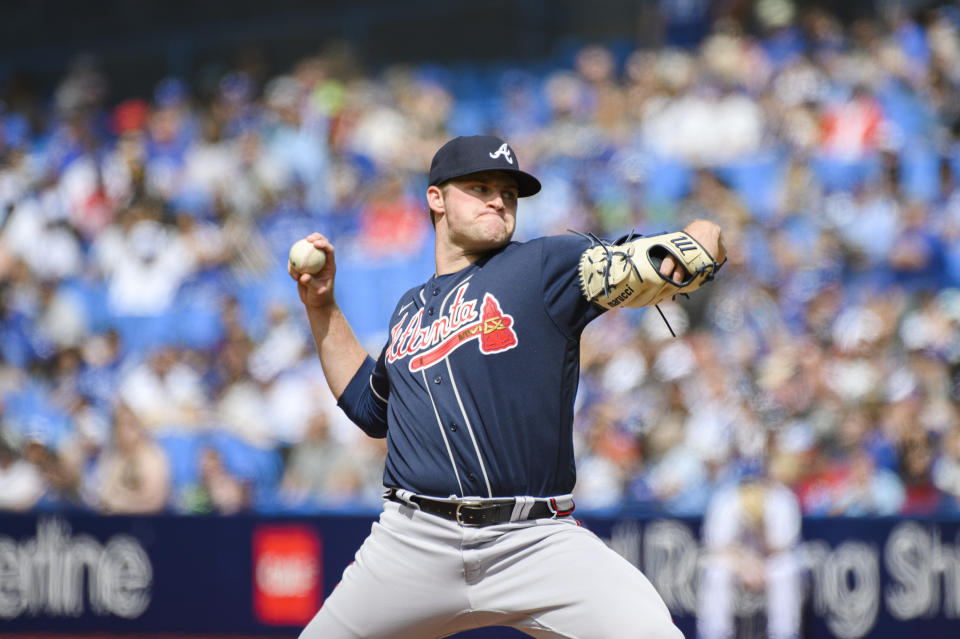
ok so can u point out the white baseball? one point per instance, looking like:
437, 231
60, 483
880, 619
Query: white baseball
306, 258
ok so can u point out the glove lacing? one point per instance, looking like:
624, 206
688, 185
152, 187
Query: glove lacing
624, 255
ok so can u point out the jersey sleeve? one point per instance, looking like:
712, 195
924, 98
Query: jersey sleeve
365, 398
565, 303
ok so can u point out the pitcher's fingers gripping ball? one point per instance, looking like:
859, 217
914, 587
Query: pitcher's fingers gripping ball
306, 258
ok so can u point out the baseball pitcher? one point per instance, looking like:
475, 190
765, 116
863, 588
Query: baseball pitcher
474, 392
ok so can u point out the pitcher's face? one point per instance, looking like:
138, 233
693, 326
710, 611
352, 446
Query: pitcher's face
479, 211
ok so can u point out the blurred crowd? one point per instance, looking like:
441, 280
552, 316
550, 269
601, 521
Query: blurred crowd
154, 356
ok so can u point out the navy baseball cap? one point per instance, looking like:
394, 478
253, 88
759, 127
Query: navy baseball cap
475, 153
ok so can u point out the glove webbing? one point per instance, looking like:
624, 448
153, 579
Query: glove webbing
596, 241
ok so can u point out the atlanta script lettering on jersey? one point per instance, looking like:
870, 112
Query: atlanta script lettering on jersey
461, 324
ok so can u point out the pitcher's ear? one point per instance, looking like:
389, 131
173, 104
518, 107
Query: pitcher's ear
435, 200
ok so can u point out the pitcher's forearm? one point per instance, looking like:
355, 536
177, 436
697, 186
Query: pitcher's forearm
341, 353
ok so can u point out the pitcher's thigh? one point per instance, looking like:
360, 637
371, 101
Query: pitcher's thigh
577, 588
399, 587
363, 606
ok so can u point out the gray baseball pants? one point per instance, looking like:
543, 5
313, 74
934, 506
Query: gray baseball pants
419, 576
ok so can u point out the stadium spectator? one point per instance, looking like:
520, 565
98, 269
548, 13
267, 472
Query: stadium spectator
946, 469
319, 468
923, 497
133, 473
21, 485
867, 489
164, 391
217, 490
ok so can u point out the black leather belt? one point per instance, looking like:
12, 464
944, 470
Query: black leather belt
475, 513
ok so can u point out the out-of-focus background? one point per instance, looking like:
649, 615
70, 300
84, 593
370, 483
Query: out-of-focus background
157, 159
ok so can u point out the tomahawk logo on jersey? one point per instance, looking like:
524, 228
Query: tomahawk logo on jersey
460, 325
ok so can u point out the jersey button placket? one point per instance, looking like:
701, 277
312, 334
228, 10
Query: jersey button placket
453, 427
437, 379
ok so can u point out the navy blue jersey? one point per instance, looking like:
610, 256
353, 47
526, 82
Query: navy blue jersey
475, 388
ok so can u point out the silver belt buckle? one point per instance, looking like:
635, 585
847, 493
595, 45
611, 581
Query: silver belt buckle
472, 503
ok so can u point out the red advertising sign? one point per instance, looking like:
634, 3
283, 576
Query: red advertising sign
287, 574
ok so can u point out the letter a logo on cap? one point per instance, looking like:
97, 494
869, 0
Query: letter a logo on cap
504, 150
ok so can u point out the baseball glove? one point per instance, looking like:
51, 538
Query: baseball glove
627, 272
